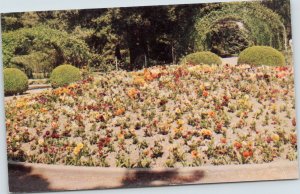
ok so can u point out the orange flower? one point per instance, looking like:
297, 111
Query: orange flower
223, 140
178, 130
120, 111
205, 93
133, 93
43, 110
120, 136
195, 154
148, 75
211, 113
206, 132
54, 125
146, 152
61, 91
139, 81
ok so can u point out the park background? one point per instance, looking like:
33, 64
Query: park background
269, 187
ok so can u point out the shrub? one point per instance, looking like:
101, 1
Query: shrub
39, 49
228, 39
63, 75
261, 55
15, 81
207, 58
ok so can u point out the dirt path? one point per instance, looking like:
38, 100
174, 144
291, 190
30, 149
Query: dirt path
230, 60
28, 92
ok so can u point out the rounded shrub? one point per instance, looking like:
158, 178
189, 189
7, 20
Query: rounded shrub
206, 57
15, 81
261, 55
63, 75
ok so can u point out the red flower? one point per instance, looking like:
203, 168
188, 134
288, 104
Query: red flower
294, 122
247, 154
268, 139
293, 139
237, 145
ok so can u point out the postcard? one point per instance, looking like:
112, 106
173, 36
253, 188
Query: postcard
149, 96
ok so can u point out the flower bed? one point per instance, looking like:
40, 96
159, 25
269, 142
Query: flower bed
174, 116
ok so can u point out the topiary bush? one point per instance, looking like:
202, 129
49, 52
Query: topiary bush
207, 58
40, 49
229, 39
261, 55
15, 81
63, 75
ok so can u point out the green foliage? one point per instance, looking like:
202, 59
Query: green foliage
155, 34
15, 81
64, 75
261, 55
229, 39
40, 49
283, 8
207, 58
262, 24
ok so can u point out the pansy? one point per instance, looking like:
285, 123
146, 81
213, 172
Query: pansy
225, 113
195, 154
275, 137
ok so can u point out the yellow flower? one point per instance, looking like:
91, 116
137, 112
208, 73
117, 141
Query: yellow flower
71, 86
76, 150
80, 145
250, 144
176, 130
41, 141
21, 103
273, 108
178, 111
246, 97
17, 137
207, 85
132, 130
202, 87
180, 122
275, 137
69, 148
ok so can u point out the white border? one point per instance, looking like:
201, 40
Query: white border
271, 187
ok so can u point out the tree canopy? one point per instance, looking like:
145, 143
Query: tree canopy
140, 36
262, 24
